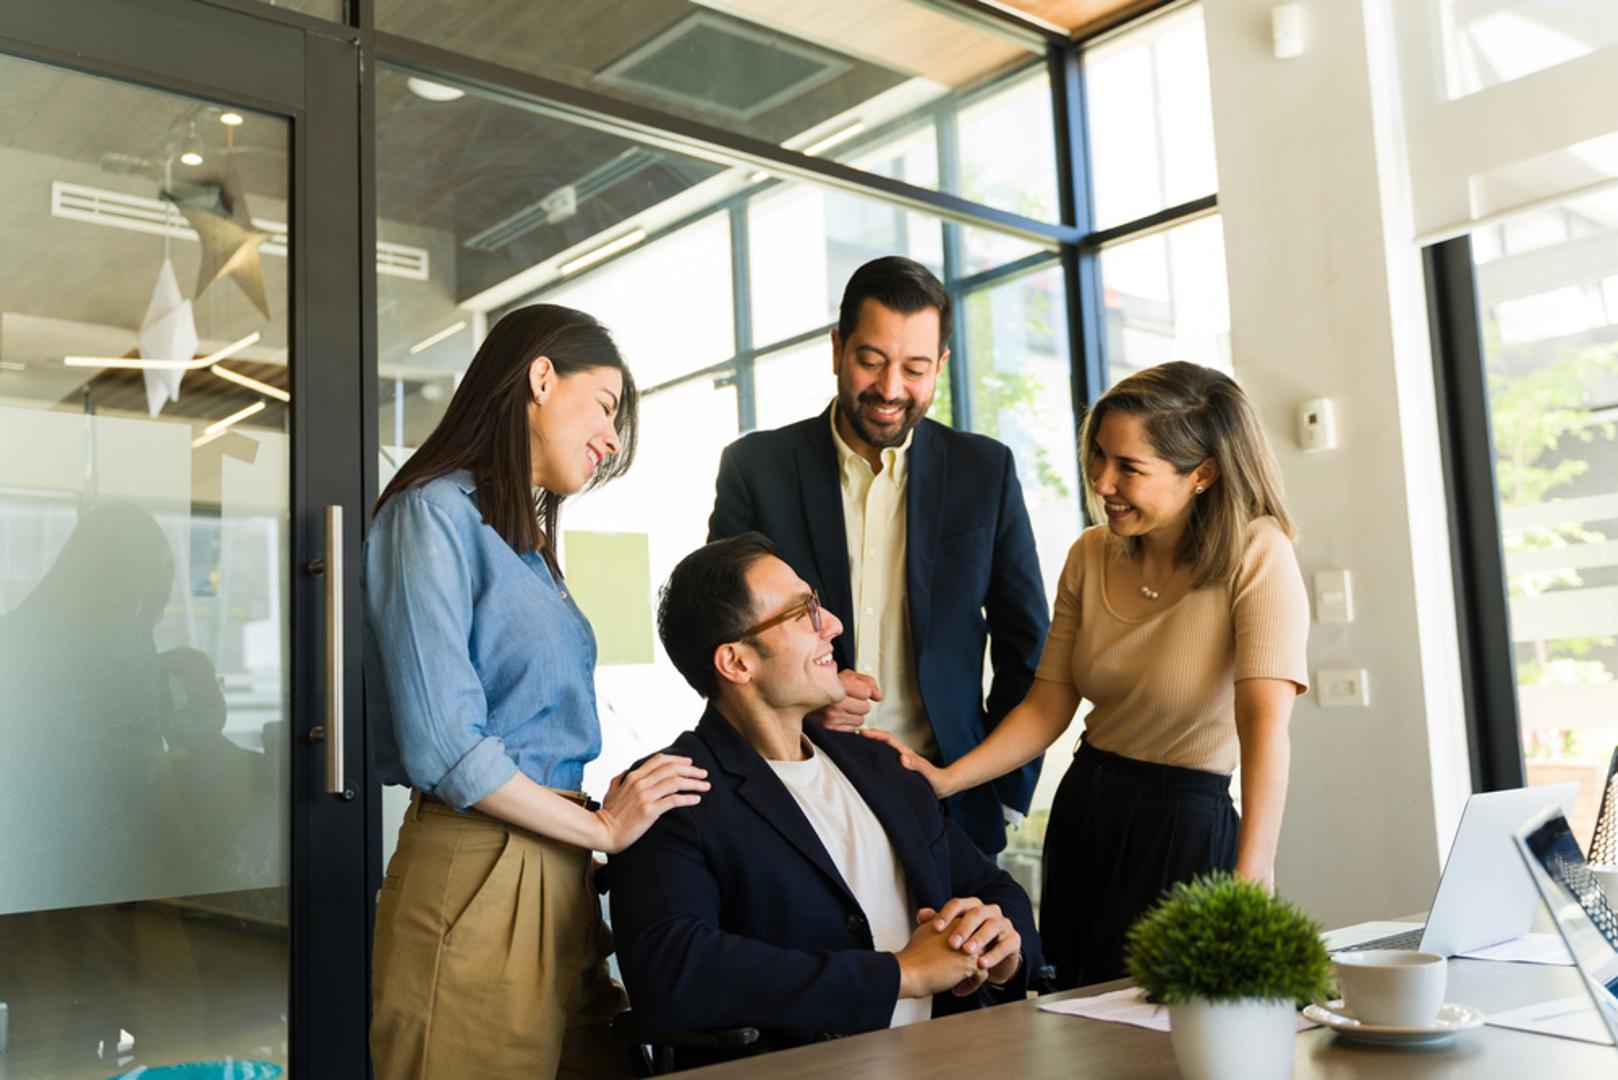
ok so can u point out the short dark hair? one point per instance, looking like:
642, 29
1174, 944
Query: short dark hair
897, 283
706, 603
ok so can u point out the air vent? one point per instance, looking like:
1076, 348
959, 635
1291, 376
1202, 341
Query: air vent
717, 65
136, 213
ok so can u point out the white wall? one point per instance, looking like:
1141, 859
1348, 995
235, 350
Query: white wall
1326, 300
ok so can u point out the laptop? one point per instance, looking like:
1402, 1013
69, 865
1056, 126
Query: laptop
1576, 901
1481, 899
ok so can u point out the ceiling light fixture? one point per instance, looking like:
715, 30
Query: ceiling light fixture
134, 363
193, 148
12, 365
231, 119
250, 383
836, 138
432, 91
218, 426
428, 342
605, 251
758, 177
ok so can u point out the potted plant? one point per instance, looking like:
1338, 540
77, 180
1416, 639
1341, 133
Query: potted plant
1232, 963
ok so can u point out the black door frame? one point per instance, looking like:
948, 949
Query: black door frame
309, 74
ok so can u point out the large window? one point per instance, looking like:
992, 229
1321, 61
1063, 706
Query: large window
720, 276
1547, 292
1162, 259
721, 285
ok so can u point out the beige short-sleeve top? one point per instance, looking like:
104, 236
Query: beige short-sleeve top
1164, 686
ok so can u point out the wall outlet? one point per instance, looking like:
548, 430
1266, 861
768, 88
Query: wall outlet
1342, 686
1317, 425
1334, 596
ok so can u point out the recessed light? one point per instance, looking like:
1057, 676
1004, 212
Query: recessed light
191, 157
432, 91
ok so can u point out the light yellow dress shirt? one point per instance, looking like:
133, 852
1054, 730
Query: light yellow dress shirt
874, 520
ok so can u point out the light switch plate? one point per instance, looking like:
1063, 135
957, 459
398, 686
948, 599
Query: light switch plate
1342, 686
1317, 425
1334, 596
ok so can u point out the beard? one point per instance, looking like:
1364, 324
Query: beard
877, 433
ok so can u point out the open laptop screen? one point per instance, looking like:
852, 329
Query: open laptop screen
1578, 905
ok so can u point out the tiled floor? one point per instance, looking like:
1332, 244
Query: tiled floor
95, 992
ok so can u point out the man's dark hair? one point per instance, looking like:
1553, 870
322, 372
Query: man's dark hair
897, 283
706, 603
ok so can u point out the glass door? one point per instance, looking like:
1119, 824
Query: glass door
176, 875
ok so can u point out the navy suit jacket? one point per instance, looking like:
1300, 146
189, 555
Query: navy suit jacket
971, 574
731, 913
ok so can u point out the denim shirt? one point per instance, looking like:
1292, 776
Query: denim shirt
477, 662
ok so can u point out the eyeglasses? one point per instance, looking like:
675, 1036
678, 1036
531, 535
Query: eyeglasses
810, 607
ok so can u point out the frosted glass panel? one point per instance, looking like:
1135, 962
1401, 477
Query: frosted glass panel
144, 794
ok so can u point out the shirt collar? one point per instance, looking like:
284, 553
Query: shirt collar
895, 459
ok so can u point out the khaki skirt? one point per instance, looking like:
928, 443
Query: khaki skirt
490, 955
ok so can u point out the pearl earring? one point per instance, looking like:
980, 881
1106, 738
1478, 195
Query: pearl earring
1199, 489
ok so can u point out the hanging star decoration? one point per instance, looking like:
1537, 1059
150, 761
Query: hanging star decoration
218, 212
169, 332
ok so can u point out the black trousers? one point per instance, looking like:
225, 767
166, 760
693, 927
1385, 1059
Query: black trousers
1121, 832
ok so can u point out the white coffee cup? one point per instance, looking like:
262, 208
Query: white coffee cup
1392, 987
1607, 874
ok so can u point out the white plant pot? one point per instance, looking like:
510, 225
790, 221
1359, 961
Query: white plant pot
1250, 1039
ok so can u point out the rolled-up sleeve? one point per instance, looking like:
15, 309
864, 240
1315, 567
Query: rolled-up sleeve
419, 591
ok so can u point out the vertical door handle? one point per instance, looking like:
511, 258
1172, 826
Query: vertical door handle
331, 732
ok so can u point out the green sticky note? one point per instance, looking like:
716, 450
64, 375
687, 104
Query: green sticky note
610, 574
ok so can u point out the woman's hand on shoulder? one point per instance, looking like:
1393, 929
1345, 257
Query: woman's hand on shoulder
937, 778
635, 800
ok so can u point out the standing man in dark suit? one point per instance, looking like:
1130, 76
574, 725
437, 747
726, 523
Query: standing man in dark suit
915, 535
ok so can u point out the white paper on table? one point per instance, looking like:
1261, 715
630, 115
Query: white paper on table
1566, 1018
1528, 949
1126, 1006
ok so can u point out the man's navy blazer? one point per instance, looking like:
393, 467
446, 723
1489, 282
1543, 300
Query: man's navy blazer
971, 573
731, 913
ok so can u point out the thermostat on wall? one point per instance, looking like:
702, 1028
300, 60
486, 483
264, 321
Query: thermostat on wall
1317, 425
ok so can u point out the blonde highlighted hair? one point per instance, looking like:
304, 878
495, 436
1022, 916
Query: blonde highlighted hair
1191, 414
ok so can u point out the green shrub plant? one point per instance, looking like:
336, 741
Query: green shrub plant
1224, 938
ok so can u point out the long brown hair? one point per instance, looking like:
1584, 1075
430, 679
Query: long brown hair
485, 428
1193, 413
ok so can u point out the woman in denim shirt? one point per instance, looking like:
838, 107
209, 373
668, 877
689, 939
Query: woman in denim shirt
490, 951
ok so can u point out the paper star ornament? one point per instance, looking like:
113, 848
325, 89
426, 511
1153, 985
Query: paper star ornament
169, 332
218, 212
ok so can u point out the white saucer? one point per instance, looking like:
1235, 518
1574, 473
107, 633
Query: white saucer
1451, 1018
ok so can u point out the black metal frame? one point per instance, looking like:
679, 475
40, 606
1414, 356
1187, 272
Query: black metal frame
1482, 609
232, 53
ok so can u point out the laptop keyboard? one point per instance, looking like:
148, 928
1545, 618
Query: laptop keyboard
1408, 939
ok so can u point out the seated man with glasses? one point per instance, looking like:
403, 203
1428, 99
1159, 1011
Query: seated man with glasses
818, 889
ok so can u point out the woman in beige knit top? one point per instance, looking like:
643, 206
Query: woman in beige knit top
1183, 620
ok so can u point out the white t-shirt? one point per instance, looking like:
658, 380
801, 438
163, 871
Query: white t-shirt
862, 852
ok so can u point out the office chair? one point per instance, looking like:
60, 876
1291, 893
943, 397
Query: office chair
1604, 841
663, 1054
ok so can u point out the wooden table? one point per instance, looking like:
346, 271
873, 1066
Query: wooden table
1022, 1042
